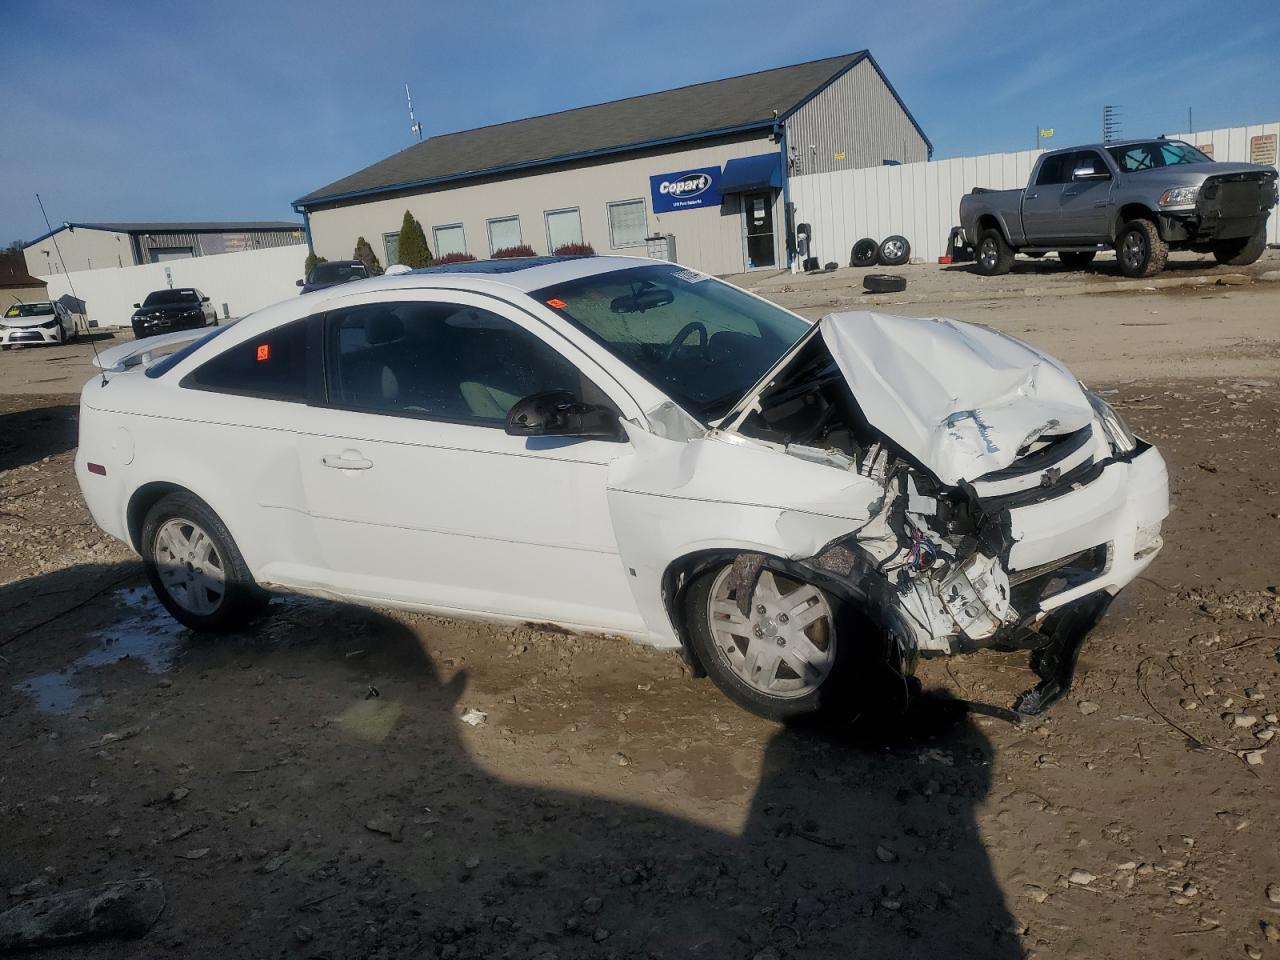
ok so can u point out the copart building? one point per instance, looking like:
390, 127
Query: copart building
697, 174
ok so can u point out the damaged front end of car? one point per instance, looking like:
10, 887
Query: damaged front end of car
1015, 503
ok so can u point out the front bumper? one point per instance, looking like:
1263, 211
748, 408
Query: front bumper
15, 336
1229, 208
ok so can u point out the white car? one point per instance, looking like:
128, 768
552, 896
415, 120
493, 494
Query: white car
628, 447
37, 323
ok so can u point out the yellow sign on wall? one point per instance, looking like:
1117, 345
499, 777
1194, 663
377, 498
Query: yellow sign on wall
839, 156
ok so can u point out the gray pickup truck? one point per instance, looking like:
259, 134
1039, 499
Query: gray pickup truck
1139, 198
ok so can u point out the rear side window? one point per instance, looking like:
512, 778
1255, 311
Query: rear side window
272, 366
167, 363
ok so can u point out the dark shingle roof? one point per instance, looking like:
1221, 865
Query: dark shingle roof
13, 271
194, 226
684, 113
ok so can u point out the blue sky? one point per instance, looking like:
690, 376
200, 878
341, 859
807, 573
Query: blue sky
225, 110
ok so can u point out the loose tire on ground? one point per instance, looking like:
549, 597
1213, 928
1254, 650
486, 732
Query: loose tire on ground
894, 251
883, 283
1140, 250
1241, 253
195, 567
1075, 259
991, 255
864, 253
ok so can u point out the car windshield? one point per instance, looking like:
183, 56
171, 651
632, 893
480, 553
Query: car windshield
337, 272
163, 298
30, 310
1159, 153
702, 342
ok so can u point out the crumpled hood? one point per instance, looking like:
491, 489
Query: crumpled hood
961, 398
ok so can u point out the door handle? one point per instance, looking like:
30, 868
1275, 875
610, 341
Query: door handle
1031, 196
1102, 203
347, 460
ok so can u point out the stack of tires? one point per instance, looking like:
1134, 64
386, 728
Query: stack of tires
890, 252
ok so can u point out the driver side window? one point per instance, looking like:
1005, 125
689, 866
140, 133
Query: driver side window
440, 361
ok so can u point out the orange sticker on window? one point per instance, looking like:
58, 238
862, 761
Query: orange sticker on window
556, 303
264, 352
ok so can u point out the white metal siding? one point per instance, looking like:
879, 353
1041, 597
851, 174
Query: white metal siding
920, 201
856, 116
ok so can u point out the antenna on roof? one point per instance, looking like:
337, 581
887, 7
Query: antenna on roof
71, 286
414, 126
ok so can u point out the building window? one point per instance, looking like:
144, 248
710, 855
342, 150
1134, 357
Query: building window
504, 233
627, 223
391, 243
563, 226
449, 239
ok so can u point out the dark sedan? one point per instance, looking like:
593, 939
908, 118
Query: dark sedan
164, 311
333, 272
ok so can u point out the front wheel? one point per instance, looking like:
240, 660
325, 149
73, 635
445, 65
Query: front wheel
1140, 250
1241, 253
781, 659
992, 255
196, 568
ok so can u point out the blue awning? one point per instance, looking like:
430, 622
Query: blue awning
752, 173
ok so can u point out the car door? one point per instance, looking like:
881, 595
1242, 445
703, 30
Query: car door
1042, 199
417, 493
1086, 199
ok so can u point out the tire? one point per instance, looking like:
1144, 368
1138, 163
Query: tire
785, 683
883, 283
195, 567
894, 251
991, 255
864, 253
1076, 260
1241, 253
1139, 249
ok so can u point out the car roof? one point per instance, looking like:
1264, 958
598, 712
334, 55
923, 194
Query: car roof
1111, 145
523, 274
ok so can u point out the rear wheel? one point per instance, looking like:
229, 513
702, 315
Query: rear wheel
1075, 259
1241, 253
992, 255
195, 567
1140, 250
781, 659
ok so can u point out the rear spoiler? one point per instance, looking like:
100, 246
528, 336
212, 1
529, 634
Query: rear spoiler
144, 352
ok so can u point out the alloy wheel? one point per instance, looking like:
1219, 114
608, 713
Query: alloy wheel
785, 645
190, 566
1134, 250
987, 254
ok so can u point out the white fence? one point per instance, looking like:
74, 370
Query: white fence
244, 282
921, 201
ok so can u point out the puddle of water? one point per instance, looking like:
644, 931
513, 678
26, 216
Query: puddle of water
147, 633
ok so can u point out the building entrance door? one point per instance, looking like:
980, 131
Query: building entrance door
757, 230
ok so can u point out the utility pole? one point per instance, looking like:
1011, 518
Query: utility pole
1191, 127
414, 126
1110, 123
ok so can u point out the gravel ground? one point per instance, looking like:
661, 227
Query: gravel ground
338, 782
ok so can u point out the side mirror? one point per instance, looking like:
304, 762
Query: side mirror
1089, 173
558, 413
204, 299
137, 306
300, 283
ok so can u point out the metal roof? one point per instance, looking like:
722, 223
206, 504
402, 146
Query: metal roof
181, 226
752, 101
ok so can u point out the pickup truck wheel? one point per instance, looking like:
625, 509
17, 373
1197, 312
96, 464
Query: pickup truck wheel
992, 255
864, 253
1140, 250
1241, 253
1075, 260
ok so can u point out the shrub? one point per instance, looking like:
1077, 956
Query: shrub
312, 260
414, 251
454, 258
364, 253
575, 250
520, 250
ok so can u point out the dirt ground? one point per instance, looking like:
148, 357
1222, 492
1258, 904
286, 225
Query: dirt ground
322, 786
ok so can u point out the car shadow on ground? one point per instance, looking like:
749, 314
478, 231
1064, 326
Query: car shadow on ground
27, 436
333, 805
1106, 267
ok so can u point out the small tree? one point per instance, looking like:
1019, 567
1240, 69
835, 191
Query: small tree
414, 251
312, 259
454, 258
574, 250
364, 253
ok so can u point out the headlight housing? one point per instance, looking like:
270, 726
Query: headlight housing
1118, 433
1179, 196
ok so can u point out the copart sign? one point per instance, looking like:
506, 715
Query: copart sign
686, 189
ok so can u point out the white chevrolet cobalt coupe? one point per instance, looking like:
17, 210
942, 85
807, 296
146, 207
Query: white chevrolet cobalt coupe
628, 447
